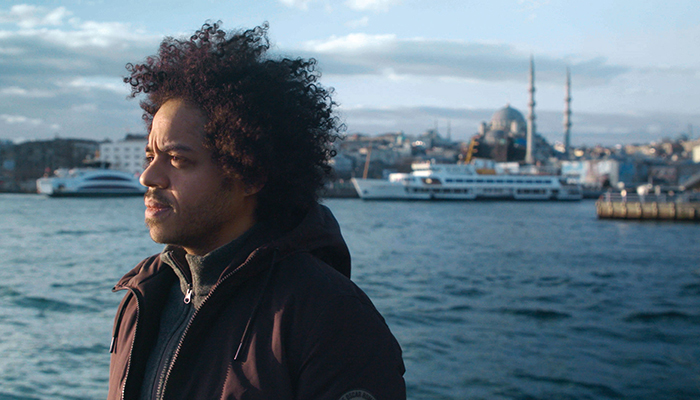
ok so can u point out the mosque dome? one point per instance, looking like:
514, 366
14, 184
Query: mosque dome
503, 118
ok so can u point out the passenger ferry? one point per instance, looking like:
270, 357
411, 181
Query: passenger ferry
90, 182
430, 181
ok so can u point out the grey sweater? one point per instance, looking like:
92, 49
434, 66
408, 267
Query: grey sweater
197, 275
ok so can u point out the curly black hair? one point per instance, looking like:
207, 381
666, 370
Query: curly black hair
268, 120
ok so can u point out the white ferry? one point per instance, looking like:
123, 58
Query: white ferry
90, 182
465, 182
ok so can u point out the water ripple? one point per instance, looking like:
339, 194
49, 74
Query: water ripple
536, 313
662, 316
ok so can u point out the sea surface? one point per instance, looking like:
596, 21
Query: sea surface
489, 300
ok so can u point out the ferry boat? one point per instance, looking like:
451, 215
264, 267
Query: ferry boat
90, 182
430, 181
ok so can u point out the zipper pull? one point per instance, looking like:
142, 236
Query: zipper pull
188, 295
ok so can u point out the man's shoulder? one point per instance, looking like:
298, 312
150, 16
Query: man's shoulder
147, 268
305, 269
313, 284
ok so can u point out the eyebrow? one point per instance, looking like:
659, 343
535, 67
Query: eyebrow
172, 147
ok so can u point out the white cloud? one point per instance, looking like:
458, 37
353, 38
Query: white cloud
81, 108
10, 51
16, 91
356, 42
372, 5
57, 67
20, 119
34, 58
301, 4
98, 83
392, 57
530, 6
29, 16
358, 23
111, 35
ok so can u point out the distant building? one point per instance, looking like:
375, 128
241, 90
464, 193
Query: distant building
125, 155
7, 165
504, 138
510, 137
34, 159
343, 166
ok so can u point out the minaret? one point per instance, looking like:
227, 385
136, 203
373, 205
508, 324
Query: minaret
531, 116
567, 115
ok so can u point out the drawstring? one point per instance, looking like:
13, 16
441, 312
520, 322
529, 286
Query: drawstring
255, 308
117, 324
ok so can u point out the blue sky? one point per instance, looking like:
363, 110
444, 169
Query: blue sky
405, 65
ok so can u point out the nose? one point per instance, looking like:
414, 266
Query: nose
154, 176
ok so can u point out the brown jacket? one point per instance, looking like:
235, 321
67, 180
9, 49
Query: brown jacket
281, 323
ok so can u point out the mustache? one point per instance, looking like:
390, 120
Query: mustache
157, 196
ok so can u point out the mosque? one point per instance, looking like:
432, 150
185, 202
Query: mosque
511, 137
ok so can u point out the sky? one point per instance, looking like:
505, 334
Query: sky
395, 65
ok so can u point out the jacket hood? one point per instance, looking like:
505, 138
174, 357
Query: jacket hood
319, 234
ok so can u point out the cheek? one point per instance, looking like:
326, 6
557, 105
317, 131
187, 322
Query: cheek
198, 191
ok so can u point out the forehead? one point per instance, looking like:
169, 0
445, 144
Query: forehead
177, 123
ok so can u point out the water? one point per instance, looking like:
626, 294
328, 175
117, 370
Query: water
489, 300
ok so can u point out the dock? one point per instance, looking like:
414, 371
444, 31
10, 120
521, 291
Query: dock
680, 207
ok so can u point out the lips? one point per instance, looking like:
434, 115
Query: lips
156, 208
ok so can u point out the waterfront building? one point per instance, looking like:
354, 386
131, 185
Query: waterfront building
126, 154
511, 137
34, 159
7, 165
504, 138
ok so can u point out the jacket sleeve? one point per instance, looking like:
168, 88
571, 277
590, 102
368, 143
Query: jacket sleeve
351, 354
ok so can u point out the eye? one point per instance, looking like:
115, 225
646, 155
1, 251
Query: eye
178, 161
147, 161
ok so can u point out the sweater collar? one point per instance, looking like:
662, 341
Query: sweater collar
201, 273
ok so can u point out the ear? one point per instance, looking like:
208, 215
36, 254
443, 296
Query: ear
253, 189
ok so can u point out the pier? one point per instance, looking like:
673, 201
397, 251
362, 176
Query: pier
682, 207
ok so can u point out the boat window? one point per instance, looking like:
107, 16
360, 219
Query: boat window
107, 178
106, 187
431, 181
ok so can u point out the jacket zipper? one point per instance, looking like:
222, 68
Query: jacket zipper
194, 315
188, 279
136, 329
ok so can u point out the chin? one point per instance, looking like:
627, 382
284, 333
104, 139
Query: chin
159, 237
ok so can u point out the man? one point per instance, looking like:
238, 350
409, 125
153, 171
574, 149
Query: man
251, 297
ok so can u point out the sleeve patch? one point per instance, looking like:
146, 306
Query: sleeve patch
358, 394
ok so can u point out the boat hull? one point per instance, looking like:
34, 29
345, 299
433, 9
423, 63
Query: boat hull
379, 189
91, 183
97, 194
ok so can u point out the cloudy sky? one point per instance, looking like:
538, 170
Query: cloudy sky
406, 65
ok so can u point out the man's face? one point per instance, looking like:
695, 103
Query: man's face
190, 202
